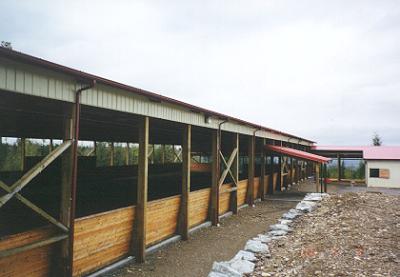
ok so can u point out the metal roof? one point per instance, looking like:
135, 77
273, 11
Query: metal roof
297, 153
369, 152
87, 77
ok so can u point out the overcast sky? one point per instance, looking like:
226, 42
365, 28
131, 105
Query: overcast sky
328, 71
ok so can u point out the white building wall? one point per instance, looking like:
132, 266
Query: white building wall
394, 170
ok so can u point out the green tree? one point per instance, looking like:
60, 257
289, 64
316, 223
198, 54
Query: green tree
376, 140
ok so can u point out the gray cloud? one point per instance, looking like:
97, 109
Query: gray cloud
325, 70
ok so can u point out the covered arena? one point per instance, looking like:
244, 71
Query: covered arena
123, 170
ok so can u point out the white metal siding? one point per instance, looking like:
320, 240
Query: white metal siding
27, 79
394, 174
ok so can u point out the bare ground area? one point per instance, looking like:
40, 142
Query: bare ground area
195, 257
351, 234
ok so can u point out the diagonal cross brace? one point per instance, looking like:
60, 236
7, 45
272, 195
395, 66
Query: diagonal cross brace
228, 167
177, 158
35, 208
34, 171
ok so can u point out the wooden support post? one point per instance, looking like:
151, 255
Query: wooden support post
127, 150
214, 207
279, 179
139, 234
271, 175
153, 153
339, 160
250, 188
291, 178
95, 149
325, 177
23, 153
186, 160
66, 183
317, 177
163, 154
235, 173
112, 154
262, 178
51, 145
281, 175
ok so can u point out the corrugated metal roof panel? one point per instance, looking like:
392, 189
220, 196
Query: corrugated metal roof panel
297, 153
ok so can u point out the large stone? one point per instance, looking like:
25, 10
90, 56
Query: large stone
256, 246
226, 269
278, 237
285, 221
245, 255
292, 214
314, 196
216, 274
283, 227
242, 266
306, 206
277, 233
263, 238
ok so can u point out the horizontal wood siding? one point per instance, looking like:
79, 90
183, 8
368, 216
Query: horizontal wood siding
224, 199
162, 219
198, 167
35, 262
198, 206
101, 239
241, 194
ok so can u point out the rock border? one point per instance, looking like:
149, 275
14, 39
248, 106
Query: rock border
244, 260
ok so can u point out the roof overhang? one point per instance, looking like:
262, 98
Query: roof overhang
297, 153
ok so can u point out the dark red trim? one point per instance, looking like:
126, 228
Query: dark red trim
297, 153
83, 76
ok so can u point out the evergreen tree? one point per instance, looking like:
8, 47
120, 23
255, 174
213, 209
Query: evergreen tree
376, 140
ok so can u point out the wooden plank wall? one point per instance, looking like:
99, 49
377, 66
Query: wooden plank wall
241, 193
35, 262
104, 238
224, 199
101, 239
162, 219
198, 206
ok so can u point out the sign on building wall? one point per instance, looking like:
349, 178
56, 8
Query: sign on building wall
384, 173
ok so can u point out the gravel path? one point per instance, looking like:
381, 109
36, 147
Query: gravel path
195, 257
351, 234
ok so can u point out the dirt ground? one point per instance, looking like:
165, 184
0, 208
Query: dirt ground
351, 234
195, 257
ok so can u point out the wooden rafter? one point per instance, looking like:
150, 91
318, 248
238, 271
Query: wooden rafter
34, 171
